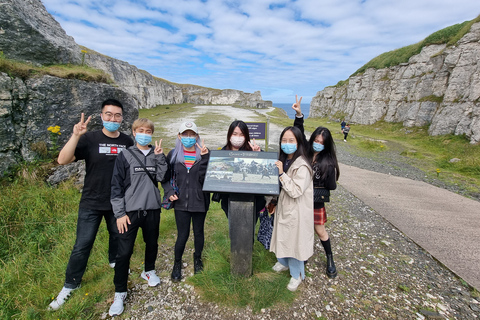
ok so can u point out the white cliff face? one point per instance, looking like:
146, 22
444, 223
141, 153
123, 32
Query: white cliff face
439, 87
150, 91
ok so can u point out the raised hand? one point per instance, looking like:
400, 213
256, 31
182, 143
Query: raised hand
158, 147
203, 148
296, 106
81, 127
254, 145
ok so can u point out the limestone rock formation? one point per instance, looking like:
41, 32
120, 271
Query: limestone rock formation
150, 91
28, 108
439, 87
29, 33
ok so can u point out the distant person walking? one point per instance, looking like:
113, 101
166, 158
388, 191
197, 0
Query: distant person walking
342, 125
99, 149
321, 153
345, 131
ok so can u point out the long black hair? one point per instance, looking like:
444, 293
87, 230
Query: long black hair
326, 157
301, 150
243, 127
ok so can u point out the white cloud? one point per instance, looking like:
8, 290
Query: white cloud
281, 47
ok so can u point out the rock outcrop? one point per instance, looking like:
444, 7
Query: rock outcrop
29, 33
28, 108
440, 87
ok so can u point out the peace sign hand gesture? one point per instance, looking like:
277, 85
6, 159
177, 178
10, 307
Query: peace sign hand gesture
158, 147
203, 148
296, 106
81, 127
254, 145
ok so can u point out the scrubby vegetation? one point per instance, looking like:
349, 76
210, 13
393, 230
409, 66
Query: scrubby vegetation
24, 70
449, 36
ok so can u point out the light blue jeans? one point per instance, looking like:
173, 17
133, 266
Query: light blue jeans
296, 267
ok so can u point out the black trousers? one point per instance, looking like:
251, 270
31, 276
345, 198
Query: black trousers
183, 218
149, 221
87, 226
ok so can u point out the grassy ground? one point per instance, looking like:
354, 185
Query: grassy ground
37, 230
24, 70
431, 154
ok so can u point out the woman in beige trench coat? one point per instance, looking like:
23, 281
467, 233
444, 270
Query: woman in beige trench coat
293, 232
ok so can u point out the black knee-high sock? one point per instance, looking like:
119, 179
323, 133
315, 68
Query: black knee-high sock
326, 246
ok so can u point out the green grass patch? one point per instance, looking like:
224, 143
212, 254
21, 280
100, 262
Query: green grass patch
449, 35
24, 70
264, 289
38, 226
428, 153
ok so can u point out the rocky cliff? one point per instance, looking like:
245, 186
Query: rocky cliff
440, 87
150, 91
29, 107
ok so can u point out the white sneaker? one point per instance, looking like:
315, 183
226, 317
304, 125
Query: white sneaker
151, 277
112, 265
116, 308
294, 283
278, 267
61, 298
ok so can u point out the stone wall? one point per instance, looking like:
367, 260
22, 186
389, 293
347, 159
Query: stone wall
440, 87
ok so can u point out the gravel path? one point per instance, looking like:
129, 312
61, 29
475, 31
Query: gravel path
382, 273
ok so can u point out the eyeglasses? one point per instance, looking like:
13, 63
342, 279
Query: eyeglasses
108, 116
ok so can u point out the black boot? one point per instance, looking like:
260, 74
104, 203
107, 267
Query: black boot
331, 269
197, 264
177, 271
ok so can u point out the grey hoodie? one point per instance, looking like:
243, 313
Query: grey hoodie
132, 189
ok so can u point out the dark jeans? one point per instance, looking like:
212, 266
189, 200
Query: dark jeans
149, 221
183, 218
87, 227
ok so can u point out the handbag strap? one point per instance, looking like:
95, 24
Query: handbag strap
143, 166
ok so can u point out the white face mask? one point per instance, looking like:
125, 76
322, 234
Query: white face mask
237, 142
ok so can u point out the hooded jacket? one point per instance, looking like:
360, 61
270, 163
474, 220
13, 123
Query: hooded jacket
132, 189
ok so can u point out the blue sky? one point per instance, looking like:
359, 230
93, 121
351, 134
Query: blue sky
279, 47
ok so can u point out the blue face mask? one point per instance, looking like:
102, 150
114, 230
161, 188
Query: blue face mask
189, 142
111, 126
143, 139
317, 147
289, 148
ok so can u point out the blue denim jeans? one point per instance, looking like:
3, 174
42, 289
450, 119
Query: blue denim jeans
87, 226
296, 267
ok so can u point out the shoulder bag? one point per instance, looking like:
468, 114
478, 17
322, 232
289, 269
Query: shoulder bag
320, 194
